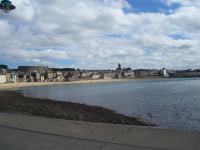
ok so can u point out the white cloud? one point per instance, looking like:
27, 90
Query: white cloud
182, 2
5, 30
38, 57
100, 33
25, 10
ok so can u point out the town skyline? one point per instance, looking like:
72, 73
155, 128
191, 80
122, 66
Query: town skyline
113, 68
117, 64
46, 74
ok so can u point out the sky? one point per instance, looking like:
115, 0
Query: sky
99, 34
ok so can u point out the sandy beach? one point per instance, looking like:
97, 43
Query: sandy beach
31, 84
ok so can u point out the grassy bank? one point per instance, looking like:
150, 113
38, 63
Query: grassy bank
11, 102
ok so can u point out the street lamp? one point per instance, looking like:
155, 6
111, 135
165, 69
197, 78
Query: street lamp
6, 6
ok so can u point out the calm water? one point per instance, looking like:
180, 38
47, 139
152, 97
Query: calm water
171, 103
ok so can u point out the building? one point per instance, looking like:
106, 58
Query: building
97, 76
42, 78
76, 74
3, 78
3, 71
164, 73
128, 73
31, 69
37, 77
60, 77
86, 74
185, 73
110, 75
11, 77
60, 74
119, 67
144, 73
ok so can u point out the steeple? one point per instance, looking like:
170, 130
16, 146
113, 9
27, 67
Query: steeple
119, 67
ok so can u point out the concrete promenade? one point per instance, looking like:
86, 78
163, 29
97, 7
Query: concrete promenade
20, 132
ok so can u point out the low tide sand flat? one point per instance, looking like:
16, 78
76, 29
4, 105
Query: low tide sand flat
16, 103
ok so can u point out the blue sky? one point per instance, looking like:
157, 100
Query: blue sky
152, 6
99, 34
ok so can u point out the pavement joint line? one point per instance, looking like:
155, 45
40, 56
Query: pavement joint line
129, 145
114, 138
83, 139
144, 147
51, 134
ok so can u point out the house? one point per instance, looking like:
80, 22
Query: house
11, 77
51, 75
120, 74
31, 77
164, 73
142, 73
119, 71
60, 77
37, 77
24, 78
76, 75
86, 74
128, 73
3, 71
185, 73
67, 75
109, 75
97, 76
42, 77
3, 78
60, 74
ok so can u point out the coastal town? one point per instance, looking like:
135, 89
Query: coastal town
46, 74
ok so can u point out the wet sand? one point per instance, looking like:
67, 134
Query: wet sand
12, 102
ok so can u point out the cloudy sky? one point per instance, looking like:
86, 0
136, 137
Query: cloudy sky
101, 33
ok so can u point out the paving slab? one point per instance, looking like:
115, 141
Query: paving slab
161, 138
21, 132
126, 147
21, 140
84, 130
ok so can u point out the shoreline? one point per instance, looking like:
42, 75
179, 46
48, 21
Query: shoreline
8, 86
12, 102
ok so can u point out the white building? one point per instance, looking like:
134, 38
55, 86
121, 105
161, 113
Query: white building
164, 72
109, 75
96, 76
3, 79
42, 78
